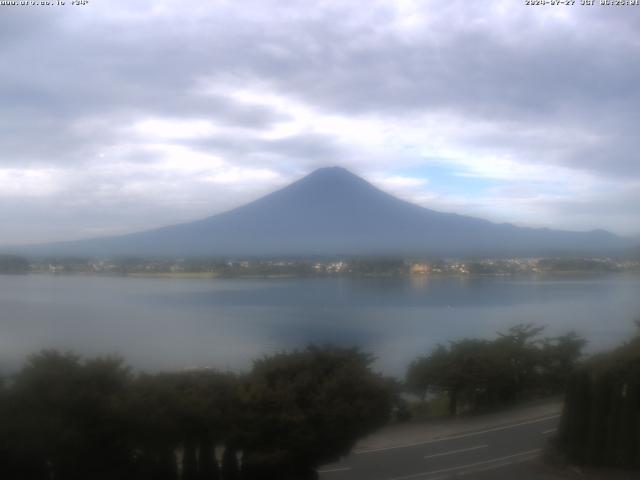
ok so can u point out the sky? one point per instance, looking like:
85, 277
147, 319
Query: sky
119, 116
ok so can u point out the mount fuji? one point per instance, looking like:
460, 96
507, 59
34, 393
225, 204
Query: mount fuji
334, 212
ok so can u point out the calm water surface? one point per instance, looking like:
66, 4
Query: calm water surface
165, 323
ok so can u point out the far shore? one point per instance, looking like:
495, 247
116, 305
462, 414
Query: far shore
253, 276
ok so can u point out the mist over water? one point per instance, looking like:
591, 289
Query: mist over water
225, 323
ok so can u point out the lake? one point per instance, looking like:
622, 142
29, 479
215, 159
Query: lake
158, 323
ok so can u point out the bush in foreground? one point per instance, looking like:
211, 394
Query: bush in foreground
66, 418
601, 420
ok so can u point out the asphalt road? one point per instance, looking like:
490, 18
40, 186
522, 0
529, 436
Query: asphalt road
499, 452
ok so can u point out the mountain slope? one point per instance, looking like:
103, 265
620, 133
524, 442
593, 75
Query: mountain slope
332, 211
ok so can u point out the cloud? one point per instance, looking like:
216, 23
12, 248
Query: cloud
31, 182
136, 114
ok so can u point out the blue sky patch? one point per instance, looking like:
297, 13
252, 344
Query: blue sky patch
449, 180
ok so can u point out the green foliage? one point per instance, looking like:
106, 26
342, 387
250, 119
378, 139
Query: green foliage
230, 468
13, 264
492, 268
378, 266
477, 374
575, 265
559, 357
601, 421
66, 418
309, 407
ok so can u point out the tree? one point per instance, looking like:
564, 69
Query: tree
521, 346
560, 355
13, 264
67, 418
472, 373
427, 374
71, 419
186, 410
601, 420
230, 468
476, 374
309, 407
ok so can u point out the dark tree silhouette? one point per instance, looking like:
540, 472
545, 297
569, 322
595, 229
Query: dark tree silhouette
476, 374
65, 418
309, 407
13, 264
230, 469
601, 420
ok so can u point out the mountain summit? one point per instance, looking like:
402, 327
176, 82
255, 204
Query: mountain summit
332, 211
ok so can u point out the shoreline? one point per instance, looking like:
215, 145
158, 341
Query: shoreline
250, 276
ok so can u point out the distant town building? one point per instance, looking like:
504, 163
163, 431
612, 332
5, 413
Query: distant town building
420, 268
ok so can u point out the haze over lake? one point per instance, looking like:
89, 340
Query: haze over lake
165, 323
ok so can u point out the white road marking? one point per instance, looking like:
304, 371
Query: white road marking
457, 437
453, 452
486, 469
501, 461
332, 470
551, 430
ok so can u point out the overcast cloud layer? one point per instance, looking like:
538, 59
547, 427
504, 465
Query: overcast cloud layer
120, 116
